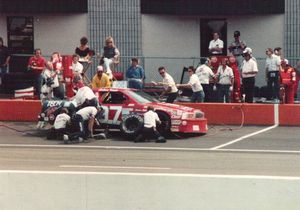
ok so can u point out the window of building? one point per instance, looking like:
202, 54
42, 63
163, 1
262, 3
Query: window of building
20, 34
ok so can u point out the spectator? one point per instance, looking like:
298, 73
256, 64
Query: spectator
205, 74
288, 79
84, 120
110, 56
170, 89
77, 67
56, 61
297, 87
85, 95
36, 64
85, 54
236, 94
4, 59
216, 45
149, 131
249, 71
237, 47
194, 83
83, 50
135, 75
100, 80
272, 74
50, 87
225, 80
59, 129
214, 64
278, 52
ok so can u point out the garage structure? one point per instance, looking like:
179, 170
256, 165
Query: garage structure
169, 33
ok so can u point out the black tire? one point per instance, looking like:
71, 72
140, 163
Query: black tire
131, 125
165, 127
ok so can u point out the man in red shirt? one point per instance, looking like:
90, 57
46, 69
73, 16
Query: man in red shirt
36, 64
288, 80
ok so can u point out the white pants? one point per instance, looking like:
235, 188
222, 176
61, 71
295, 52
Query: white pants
107, 66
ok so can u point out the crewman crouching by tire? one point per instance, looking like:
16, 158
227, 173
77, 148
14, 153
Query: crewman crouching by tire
59, 129
149, 131
84, 120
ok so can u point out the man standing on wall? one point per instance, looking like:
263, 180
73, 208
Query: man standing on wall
216, 45
237, 47
249, 71
272, 74
36, 64
135, 75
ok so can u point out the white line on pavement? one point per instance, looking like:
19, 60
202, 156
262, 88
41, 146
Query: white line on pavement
114, 167
291, 178
147, 148
244, 137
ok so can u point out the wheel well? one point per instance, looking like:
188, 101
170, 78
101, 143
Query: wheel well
165, 119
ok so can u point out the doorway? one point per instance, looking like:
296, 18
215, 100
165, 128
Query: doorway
207, 28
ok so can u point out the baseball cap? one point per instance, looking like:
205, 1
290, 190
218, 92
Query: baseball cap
247, 50
100, 68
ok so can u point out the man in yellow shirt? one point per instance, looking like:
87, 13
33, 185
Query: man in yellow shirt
101, 80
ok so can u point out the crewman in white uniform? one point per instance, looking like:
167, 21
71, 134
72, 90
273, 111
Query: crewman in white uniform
149, 131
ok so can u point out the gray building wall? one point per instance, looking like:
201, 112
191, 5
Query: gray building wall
53, 32
292, 30
120, 19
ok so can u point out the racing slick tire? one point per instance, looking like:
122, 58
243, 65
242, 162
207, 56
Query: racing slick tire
131, 125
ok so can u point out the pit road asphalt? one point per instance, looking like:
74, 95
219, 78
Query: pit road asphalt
275, 152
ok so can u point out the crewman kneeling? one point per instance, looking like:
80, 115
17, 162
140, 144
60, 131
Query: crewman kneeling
84, 121
59, 129
149, 131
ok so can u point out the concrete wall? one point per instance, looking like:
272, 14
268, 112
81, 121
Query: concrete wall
172, 36
54, 32
169, 36
59, 32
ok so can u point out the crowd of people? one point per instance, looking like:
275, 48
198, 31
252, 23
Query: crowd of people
232, 78
220, 79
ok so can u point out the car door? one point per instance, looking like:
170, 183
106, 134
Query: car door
115, 104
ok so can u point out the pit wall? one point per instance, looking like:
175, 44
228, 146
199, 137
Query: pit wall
216, 113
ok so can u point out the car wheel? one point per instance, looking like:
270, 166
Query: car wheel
131, 125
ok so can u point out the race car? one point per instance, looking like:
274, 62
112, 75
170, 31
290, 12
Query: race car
124, 109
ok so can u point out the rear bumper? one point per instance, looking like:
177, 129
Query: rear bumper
189, 126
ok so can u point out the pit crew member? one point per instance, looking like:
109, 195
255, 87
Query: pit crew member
149, 131
85, 95
194, 83
225, 79
84, 120
59, 129
170, 89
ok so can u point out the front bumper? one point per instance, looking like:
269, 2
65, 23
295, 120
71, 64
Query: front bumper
189, 126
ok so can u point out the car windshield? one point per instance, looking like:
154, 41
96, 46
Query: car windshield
142, 97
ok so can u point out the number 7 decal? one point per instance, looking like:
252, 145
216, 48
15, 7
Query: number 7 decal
115, 119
